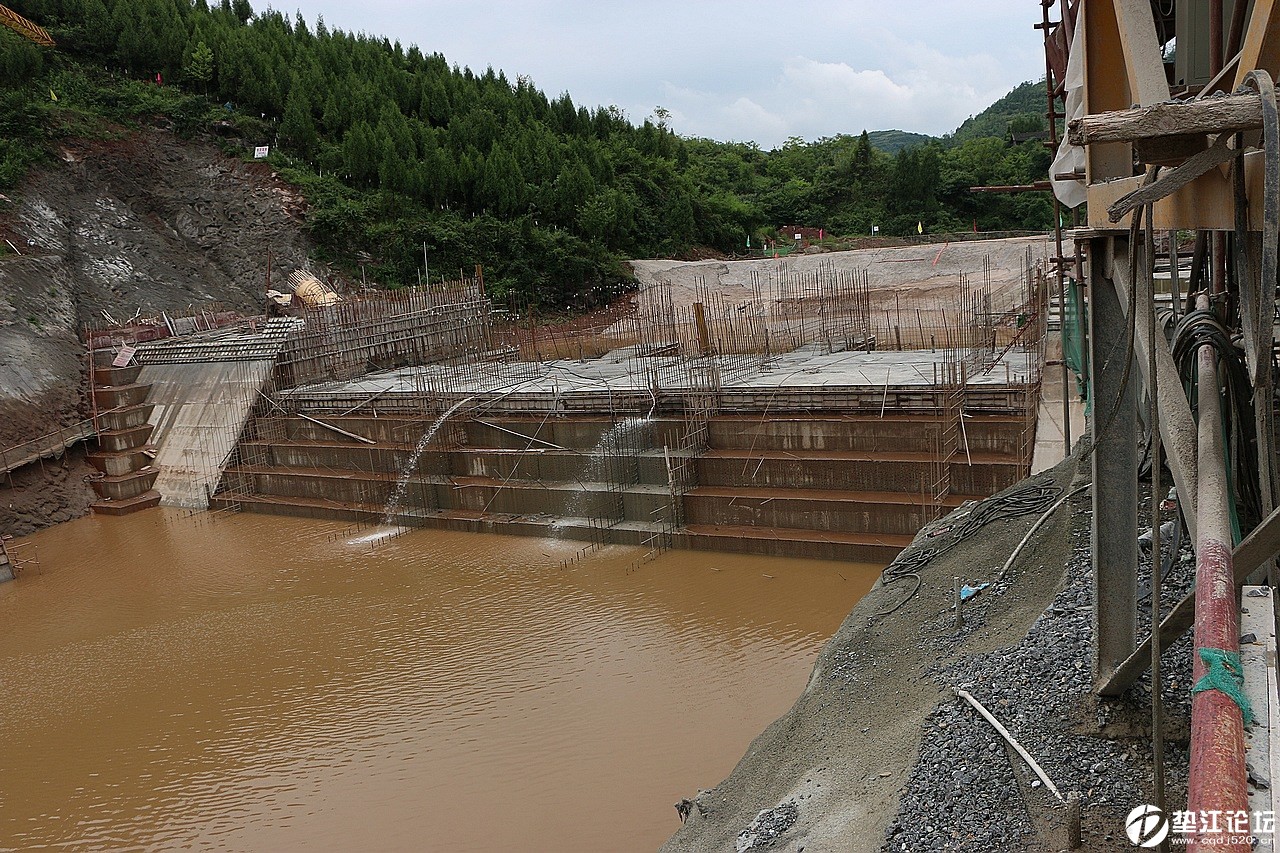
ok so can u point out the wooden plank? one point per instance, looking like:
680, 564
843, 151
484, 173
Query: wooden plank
1144, 65
1105, 87
1261, 47
1174, 180
1210, 115
1208, 202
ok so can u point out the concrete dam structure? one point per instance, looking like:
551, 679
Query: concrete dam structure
812, 484
780, 426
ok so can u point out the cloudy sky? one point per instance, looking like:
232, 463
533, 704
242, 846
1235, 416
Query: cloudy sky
743, 70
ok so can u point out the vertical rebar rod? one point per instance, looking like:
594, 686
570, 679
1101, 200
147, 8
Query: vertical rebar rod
1153, 423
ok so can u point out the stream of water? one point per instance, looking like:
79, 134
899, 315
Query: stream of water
245, 682
411, 465
613, 442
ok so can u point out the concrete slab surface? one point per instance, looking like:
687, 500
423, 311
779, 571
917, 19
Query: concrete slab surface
622, 370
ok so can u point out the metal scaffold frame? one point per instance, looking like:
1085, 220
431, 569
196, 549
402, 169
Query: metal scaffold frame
1197, 160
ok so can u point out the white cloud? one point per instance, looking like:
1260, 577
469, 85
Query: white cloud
812, 99
743, 70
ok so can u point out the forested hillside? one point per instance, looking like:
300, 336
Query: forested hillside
395, 147
1020, 111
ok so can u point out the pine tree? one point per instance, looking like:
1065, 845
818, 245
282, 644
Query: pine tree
503, 185
198, 66
298, 129
359, 154
393, 172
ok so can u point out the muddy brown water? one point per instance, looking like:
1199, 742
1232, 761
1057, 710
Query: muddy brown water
252, 683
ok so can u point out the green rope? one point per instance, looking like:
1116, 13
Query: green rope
1227, 676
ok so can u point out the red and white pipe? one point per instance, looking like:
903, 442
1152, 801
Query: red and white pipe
1217, 775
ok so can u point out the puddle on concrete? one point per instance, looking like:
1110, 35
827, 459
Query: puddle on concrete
258, 683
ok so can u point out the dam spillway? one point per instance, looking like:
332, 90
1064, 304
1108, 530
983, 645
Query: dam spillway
810, 458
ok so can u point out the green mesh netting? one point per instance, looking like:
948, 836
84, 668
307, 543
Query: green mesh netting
1074, 349
1226, 674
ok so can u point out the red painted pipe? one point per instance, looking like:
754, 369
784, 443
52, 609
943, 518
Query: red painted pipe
1217, 774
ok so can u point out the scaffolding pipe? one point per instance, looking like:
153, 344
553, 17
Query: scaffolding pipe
1217, 779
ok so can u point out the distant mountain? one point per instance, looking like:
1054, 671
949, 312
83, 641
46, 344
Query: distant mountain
890, 141
1020, 111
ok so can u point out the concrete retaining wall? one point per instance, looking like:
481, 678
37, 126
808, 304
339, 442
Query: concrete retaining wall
199, 411
849, 487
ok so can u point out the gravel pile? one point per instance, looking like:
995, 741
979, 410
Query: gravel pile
767, 827
968, 791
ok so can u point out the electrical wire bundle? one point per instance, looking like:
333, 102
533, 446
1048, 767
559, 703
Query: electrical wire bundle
1202, 328
1029, 499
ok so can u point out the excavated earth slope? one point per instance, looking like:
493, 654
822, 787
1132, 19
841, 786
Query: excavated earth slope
147, 222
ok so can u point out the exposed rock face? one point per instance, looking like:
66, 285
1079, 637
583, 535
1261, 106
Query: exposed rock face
148, 222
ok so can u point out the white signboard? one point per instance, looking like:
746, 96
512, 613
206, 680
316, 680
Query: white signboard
261, 151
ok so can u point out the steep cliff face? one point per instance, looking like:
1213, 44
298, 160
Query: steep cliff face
145, 222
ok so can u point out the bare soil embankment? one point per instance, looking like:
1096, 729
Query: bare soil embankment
146, 222
920, 276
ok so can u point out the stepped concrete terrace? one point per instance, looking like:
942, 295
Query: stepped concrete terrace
840, 455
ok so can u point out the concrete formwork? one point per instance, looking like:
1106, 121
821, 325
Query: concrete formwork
125, 479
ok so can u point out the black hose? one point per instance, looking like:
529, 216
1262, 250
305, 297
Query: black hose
1201, 328
1029, 499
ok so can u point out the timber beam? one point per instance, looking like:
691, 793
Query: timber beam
1222, 114
1177, 427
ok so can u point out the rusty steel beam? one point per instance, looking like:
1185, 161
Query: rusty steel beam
1217, 779
1038, 186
